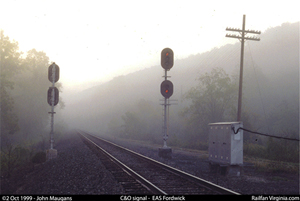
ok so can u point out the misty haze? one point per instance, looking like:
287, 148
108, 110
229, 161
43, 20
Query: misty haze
128, 110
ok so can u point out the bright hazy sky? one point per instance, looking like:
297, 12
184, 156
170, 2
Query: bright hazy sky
97, 40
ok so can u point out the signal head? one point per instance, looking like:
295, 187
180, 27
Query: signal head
167, 58
166, 88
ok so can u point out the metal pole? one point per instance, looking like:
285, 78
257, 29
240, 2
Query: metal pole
241, 71
168, 117
52, 106
165, 118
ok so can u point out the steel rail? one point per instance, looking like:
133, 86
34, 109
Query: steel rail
197, 180
151, 187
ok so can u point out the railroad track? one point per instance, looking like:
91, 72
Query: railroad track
139, 174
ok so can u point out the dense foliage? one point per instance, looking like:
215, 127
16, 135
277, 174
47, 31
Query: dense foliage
24, 109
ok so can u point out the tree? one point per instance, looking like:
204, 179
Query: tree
144, 122
211, 101
132, 125
30, 94
113, 127
9, 66
23, 95
284, 121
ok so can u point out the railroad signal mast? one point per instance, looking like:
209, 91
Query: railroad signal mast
242, 38
166, 89
52, 99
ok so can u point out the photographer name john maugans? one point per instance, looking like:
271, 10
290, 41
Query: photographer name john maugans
53, 198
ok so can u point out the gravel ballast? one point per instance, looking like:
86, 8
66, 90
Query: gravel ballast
77, 170
250, 182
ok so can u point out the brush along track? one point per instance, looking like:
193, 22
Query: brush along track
150, 176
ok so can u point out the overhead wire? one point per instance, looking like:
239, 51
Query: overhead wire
254, 132
258, 133
258, 86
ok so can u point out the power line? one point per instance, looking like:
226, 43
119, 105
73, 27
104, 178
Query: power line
258, 88
284, 138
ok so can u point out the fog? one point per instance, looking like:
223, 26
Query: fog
271, 76
129, 106
110, 76
93, 41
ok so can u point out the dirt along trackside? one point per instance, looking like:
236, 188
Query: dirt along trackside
76, 170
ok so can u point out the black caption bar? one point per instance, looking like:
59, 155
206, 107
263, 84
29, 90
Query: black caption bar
146, 197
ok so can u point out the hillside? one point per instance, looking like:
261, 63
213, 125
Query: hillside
271, 75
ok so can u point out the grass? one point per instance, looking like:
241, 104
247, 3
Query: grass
265, 165
276, 178
253, 154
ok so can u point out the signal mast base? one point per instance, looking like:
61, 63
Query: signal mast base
51, 154
165, 152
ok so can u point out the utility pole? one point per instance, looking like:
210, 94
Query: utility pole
242, 38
